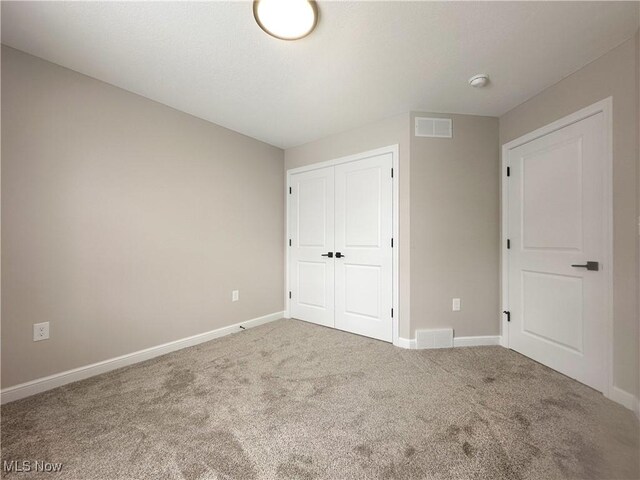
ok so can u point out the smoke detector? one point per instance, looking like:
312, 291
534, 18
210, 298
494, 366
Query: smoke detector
480, 80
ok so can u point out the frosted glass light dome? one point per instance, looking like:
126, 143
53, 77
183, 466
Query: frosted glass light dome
286, 19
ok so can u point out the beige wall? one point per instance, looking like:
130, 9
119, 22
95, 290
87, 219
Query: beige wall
452, 191
390, 131
614, 74
455, 227
125, 223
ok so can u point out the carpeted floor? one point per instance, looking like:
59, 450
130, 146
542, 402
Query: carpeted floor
290, 400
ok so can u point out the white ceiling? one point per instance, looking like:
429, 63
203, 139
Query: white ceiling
364, 62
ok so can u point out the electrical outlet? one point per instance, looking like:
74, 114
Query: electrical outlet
455, 306
235, 295
40, 331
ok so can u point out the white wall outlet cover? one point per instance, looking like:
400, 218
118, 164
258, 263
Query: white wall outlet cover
235, 295
40, 331
455, 305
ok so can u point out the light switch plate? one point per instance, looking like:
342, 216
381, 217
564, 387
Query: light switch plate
235, 295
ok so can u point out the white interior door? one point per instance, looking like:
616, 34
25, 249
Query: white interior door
556, 223
340, 255
311, 227
364, 260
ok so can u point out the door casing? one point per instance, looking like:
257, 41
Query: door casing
394, 151
605, 107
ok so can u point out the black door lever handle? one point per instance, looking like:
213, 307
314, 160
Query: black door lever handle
339, 255
330, 254
594, 266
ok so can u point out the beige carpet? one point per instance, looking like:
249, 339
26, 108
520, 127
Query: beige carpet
290, 400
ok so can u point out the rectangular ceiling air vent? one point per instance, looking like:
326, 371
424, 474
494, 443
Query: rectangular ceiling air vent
434, 127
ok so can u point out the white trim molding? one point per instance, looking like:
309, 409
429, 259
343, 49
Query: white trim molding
408, 343
477, 341
57, 380
625, 399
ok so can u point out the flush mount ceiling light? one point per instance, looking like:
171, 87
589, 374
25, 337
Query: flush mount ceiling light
286, 19
479, 80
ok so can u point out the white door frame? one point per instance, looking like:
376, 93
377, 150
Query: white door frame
394, 151
606, 108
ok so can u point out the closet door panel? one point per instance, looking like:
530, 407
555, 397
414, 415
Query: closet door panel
311, 227
364, 260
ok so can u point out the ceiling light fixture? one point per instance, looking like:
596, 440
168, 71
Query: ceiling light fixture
286, 19
480, 80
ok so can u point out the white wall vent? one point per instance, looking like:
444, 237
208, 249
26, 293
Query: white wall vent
440, 338
434, 127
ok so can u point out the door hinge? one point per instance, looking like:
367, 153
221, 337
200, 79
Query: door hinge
392, 173
289, 294
290, 190
392, 313
508, 314
508, 171
508, 243
289, 242
392, 243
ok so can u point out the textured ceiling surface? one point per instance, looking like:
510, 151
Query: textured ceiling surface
365, 61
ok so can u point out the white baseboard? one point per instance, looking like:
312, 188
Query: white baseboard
52, 381
409, 343
625, 399
478, 341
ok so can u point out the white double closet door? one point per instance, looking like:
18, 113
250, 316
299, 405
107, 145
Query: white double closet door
340, 253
